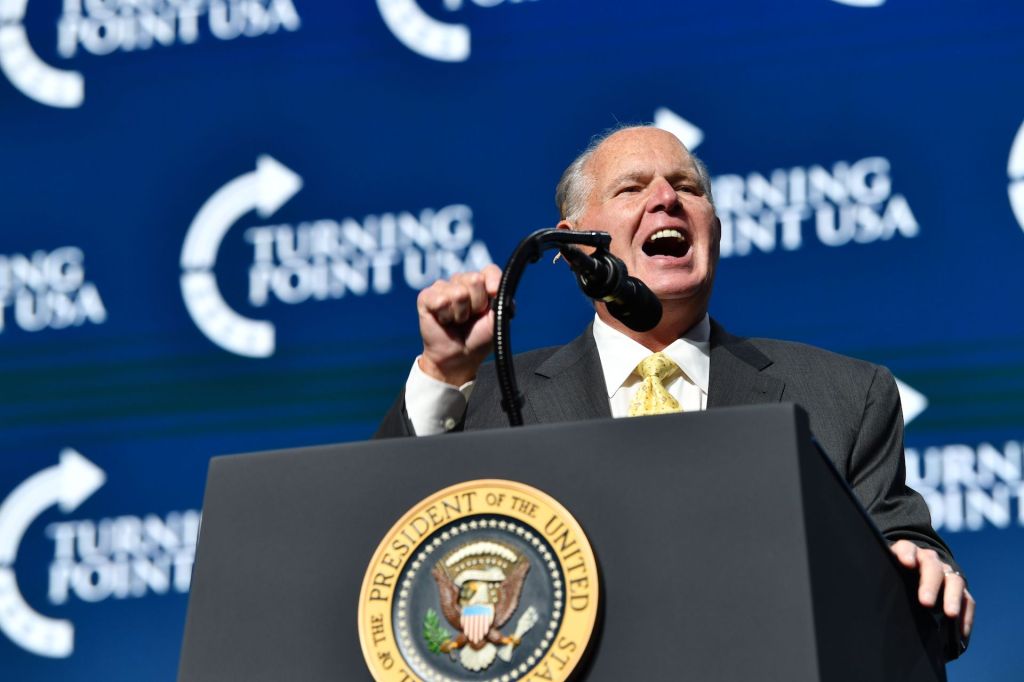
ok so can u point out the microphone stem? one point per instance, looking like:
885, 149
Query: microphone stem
528, 251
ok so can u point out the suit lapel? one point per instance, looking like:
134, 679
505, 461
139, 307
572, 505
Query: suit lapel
736, 372
571, 385
571, 382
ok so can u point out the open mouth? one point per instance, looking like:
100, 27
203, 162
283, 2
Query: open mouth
667, 243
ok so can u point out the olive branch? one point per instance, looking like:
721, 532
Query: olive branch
433, 633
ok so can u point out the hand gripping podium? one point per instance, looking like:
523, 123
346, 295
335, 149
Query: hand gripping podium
728, 549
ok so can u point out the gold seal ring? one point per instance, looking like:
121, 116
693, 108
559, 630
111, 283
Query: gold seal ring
487, 579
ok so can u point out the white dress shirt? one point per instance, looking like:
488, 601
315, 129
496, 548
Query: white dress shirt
435, 407
620, 355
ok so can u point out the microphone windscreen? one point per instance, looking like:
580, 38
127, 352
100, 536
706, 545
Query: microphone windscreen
639, 309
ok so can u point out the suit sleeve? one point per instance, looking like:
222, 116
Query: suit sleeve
877, 471
396, 422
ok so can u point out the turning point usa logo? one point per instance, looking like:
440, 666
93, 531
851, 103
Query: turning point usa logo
837, 204
318, 259
123, 557
102, 27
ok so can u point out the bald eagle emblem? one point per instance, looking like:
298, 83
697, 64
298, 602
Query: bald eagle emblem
479, 585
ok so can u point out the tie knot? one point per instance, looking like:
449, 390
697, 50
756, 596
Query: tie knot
651, 396
657, 365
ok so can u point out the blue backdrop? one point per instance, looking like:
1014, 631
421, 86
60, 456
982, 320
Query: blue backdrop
217, 213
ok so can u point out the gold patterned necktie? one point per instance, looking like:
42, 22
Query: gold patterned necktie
651, 397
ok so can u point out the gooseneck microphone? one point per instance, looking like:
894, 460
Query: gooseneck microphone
603, 277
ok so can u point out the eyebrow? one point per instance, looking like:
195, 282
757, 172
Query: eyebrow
637, 176
630, 176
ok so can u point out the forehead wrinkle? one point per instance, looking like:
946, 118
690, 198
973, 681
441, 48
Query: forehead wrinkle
611, 151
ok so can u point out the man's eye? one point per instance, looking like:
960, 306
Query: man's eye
691, 189
629, 189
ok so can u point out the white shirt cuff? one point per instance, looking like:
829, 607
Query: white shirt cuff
433, 406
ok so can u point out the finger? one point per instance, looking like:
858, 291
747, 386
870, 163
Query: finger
478, 298
460, 303
435, 302
446, 302
968, 622
433, 298
906, 552
492, 279
932, 572
444, 317
953, 594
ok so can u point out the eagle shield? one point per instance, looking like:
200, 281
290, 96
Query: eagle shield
476, 621
479, 585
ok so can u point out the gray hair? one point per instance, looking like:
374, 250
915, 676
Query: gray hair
577, 182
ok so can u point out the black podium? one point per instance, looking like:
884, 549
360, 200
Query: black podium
729, 549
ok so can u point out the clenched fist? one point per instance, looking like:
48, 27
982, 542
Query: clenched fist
457, 324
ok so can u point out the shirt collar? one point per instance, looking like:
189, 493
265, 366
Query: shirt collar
620, 354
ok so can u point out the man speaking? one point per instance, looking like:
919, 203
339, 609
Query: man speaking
642, 186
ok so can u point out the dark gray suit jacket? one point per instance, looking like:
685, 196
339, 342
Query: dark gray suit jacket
854, 410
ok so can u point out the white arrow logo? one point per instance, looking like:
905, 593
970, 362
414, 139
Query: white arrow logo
24, 68
423, 34
913, 401
690, 135
1015, 169
67, 484
266, 189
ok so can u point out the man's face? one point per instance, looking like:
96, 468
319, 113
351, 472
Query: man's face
646, 194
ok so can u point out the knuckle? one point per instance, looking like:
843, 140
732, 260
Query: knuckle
466, 278
909, 553
427, 301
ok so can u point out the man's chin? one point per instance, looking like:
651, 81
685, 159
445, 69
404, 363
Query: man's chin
682, 296
674, 290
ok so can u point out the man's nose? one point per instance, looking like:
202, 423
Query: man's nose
663, 196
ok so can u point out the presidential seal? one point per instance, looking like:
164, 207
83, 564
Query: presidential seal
485, 581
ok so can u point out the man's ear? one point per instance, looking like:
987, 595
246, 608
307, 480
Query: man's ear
563, 224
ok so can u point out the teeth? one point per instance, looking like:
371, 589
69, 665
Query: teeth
666, 233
